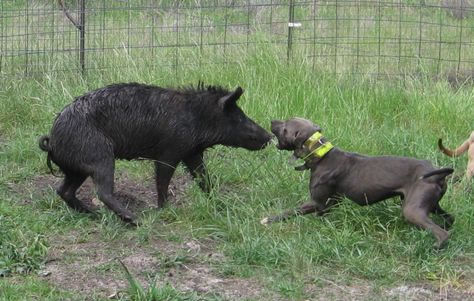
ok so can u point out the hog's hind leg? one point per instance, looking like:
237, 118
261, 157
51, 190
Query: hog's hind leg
67, 191
103, 176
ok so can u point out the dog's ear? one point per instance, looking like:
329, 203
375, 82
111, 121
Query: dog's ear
303, 134
300, 138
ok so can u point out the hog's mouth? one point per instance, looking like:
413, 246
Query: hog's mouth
256, 143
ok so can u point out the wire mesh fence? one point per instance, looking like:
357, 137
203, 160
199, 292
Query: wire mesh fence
342, 37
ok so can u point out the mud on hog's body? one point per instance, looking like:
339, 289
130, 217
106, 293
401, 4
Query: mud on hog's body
130, 121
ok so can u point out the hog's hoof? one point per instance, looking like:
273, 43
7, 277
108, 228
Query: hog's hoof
133, 223
265, 221
129, 219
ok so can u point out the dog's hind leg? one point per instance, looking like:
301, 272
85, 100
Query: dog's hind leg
448, 218
67, 191
418, 204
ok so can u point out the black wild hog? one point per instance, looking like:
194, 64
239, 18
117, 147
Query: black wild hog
130, 121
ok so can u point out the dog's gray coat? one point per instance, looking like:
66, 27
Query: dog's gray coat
365, 180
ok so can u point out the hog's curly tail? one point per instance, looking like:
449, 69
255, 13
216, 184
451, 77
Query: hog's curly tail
43, 143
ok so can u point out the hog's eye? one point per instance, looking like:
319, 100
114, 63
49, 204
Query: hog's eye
285, 131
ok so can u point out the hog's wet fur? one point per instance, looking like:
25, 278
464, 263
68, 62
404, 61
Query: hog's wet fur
131, 121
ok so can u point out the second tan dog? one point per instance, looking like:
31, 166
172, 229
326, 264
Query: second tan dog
468, 146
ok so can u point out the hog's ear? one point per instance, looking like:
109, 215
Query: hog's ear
229, 100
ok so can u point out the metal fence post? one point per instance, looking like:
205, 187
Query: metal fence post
81, 26
82, 38
27, 25
291, 19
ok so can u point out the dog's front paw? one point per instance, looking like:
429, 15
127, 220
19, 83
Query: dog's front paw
265, 221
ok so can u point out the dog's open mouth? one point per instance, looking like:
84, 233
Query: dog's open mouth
283, 146
275, 141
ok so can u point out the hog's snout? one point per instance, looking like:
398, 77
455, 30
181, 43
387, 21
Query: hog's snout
258, 140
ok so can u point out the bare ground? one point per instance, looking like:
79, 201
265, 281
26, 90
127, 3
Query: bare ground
93, 267
89, 266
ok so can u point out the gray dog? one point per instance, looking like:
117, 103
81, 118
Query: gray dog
365, 180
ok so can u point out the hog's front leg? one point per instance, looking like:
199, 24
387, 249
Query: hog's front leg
197, 168
164, 170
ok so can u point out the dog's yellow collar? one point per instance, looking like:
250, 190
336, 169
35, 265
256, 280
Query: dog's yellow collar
320, 151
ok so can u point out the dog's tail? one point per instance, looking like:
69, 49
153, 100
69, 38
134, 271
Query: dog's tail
438, 174
43, 143
453, 153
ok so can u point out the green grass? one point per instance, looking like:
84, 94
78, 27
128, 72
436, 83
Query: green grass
352, 243
348, 246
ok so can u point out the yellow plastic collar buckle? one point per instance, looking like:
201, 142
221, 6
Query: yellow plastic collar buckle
320, 151
316, 137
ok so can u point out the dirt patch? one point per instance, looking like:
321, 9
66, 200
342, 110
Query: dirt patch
93, 268
330, 290
427, 292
